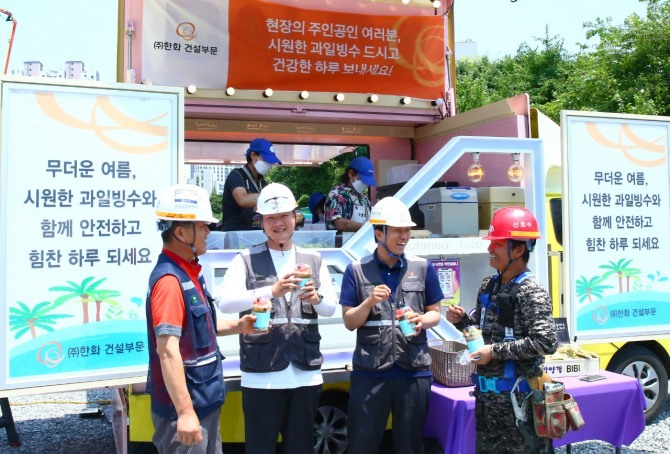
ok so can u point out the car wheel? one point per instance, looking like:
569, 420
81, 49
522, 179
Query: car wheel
644, 365
330, 428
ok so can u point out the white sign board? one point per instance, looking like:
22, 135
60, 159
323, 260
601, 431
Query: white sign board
617, 204
81, 170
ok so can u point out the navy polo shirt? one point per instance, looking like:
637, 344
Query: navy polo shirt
391, 276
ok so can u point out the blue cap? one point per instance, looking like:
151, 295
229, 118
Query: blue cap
314, 201
365, 170
265, 149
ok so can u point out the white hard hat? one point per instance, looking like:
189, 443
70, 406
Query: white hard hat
275, 198
185, 203
392, 212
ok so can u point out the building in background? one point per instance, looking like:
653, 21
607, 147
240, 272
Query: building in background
211, 177
74, 69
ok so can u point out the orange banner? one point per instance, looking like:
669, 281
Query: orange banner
286, 48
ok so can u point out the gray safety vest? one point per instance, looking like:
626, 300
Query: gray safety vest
379, 342
294, 337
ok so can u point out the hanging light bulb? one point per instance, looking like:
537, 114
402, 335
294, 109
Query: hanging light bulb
475, 171
515, 170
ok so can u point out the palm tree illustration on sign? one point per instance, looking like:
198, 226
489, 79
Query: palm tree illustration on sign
619, 268
589, 288
631, 273
23, 318
82, 291
104, 296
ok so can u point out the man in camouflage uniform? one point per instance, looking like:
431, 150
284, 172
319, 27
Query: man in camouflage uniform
514, 299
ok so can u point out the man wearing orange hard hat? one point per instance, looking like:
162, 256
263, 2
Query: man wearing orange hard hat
514, 313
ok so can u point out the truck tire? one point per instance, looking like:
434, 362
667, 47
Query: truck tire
644, 365
330, 428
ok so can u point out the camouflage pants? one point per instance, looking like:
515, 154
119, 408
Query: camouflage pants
496, 427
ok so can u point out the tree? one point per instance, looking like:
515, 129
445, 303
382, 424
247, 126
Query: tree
23, 318
620, 269
216, 200
302, 181
82, 291
537, 71
588, 288
104, 296
624, 69
627, 70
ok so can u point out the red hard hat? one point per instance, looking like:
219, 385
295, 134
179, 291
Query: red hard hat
513, 223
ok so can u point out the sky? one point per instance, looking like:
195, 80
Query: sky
507, 24
54, 31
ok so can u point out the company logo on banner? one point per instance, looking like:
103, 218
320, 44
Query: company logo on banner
256, 44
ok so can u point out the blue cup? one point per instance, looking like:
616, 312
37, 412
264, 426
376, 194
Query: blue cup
304, 281
475, 345
262, 322
407, 327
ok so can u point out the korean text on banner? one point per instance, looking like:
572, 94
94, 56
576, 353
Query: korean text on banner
256, 44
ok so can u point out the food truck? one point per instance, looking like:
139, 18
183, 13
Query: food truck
318, 81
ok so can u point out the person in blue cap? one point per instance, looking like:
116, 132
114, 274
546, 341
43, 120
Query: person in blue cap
240, 192
317, 202
347, 205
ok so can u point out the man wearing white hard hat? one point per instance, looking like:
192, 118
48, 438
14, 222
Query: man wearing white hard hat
391, 369
281, 368
182, 330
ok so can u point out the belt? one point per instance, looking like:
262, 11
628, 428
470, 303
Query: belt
498, 385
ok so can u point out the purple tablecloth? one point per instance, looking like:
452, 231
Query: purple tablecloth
613, 410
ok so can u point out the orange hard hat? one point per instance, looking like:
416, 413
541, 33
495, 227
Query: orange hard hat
513, 223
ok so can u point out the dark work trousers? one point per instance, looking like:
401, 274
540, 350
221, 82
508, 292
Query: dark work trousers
371, 400
269, 412
165, 436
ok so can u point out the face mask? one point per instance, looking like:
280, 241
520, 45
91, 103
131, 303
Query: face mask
359, 186
262, 167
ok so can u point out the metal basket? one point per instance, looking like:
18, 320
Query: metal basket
445, 366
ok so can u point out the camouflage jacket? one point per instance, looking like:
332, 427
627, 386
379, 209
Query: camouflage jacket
534, 330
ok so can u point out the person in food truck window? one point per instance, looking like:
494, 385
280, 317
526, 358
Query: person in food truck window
182, 329
514, 314
281, 364
242, 186
390, 299
317, 203
347, 206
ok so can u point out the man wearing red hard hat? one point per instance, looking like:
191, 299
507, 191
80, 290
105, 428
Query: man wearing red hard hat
514, 313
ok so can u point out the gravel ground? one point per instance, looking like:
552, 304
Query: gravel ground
51, 423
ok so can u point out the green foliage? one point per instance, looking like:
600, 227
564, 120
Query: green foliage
216, 200
625, 69
302, 181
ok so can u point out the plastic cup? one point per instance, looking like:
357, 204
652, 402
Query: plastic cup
473, 336
304, 272
304, 281
475, 345
407, 327
262, 322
